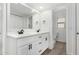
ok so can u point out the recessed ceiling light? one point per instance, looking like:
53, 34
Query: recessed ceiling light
40, 7
33, 10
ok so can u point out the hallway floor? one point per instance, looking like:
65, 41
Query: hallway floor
59, 49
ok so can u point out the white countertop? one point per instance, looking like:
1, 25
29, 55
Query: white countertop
28, 33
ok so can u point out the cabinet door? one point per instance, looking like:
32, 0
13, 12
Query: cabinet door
35, 48
23, 50
45, 42
39, 46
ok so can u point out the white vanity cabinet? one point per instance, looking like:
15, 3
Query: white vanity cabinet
28, 45
35, 47
40, 45
22, 50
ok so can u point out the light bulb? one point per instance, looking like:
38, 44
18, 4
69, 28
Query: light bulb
40, 7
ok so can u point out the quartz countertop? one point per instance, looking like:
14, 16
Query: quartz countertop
30, 33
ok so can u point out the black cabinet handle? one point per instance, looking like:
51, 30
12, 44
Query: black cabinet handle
46, 38
29, 46
77, 33
40, 42
40, 37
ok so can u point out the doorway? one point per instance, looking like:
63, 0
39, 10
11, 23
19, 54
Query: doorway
59, 25
59, 33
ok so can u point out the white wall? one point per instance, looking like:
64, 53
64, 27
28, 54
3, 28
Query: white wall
0, 29
77, 29
0, 22
50, 18
0, 33
52, 40
16, 22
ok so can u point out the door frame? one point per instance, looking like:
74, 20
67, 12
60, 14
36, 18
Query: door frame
70, 27
4, 26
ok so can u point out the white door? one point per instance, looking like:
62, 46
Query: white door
1, 19
78, 29
77, 44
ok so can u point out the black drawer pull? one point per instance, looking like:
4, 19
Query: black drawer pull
46, 39
40, 36
40, 42
30, 46
77, 33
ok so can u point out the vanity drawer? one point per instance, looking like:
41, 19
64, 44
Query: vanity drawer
36, 47
45, 40
45, 35
23, 41
27, 40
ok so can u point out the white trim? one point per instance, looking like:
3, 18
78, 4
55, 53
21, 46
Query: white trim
29, 7
4, 27
70, 30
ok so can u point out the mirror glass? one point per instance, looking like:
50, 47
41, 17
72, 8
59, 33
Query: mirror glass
20, 17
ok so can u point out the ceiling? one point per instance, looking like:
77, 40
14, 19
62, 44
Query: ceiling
45, 6
22, 10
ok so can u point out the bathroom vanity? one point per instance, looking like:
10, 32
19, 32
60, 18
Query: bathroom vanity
27, 44
35, 27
